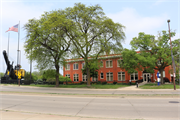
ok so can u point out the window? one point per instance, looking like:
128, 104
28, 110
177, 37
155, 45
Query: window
164, 74
83, 64
84, 78
67, 67
101, 64
101, 75
75, 66
68, 75
120, 61
121, 76
109, 76
109, 64
134, 76
94, 78
76, 77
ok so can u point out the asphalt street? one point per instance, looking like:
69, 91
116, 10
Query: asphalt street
93, 107
126, 91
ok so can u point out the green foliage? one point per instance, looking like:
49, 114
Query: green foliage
104, 83
93, 34
1, 74
47, 40
133, 62
64, 79
154, 54
50, 73
93, 65
33, 77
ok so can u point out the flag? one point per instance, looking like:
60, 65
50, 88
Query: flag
13, 28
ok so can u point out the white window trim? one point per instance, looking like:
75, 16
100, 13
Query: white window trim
112, 64
73, 66
121, 76
118, 63
106, 76
94, 80
134, 76
102, 64
76, 76
100, 76
82, 78
68, 75
66, 67
82, 65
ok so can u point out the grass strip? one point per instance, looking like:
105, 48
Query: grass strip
76, 86
155, 86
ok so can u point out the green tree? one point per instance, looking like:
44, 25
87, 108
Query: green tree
1, 74
46, 41
94, 33
27, 77
50, 73
94, 67
133, 61
154, 54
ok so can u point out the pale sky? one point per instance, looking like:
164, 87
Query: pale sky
148, 16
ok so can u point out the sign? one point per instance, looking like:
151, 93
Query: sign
19, 75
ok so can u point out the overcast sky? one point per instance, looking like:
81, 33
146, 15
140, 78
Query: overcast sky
149, 16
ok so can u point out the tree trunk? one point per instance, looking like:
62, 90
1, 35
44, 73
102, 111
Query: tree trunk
57, 75
88, 77
161, 72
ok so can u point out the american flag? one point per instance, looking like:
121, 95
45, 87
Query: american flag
13, 28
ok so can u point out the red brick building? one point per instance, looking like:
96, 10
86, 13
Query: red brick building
109, 71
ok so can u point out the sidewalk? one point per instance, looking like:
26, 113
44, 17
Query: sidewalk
10, 115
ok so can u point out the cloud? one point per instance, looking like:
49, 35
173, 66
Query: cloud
12, 13
136, 23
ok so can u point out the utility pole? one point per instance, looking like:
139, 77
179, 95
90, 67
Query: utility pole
173, 64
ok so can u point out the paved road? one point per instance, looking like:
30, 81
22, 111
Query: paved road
98, 107
127, 90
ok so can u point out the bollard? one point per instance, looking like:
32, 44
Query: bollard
137, 84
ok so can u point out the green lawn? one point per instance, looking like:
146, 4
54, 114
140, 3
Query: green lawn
155, 86
78, 86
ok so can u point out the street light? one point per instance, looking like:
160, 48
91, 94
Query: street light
173, 64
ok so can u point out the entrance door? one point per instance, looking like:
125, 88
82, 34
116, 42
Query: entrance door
146, 77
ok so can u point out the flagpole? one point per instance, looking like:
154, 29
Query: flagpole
18, 67
8, 44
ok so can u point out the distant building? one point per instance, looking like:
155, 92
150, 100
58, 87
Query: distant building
109, 71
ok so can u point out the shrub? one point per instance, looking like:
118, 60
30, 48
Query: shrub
103, 83
98, 82
114, 83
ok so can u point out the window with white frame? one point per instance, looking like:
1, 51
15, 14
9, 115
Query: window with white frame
102, 75
119, 61
109, 64
164, 74
76, 77
67, 67
121, 76
134, 76
75, 66
94, 78
84, 78
101, 64
68, 75
109, 76
83, 64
